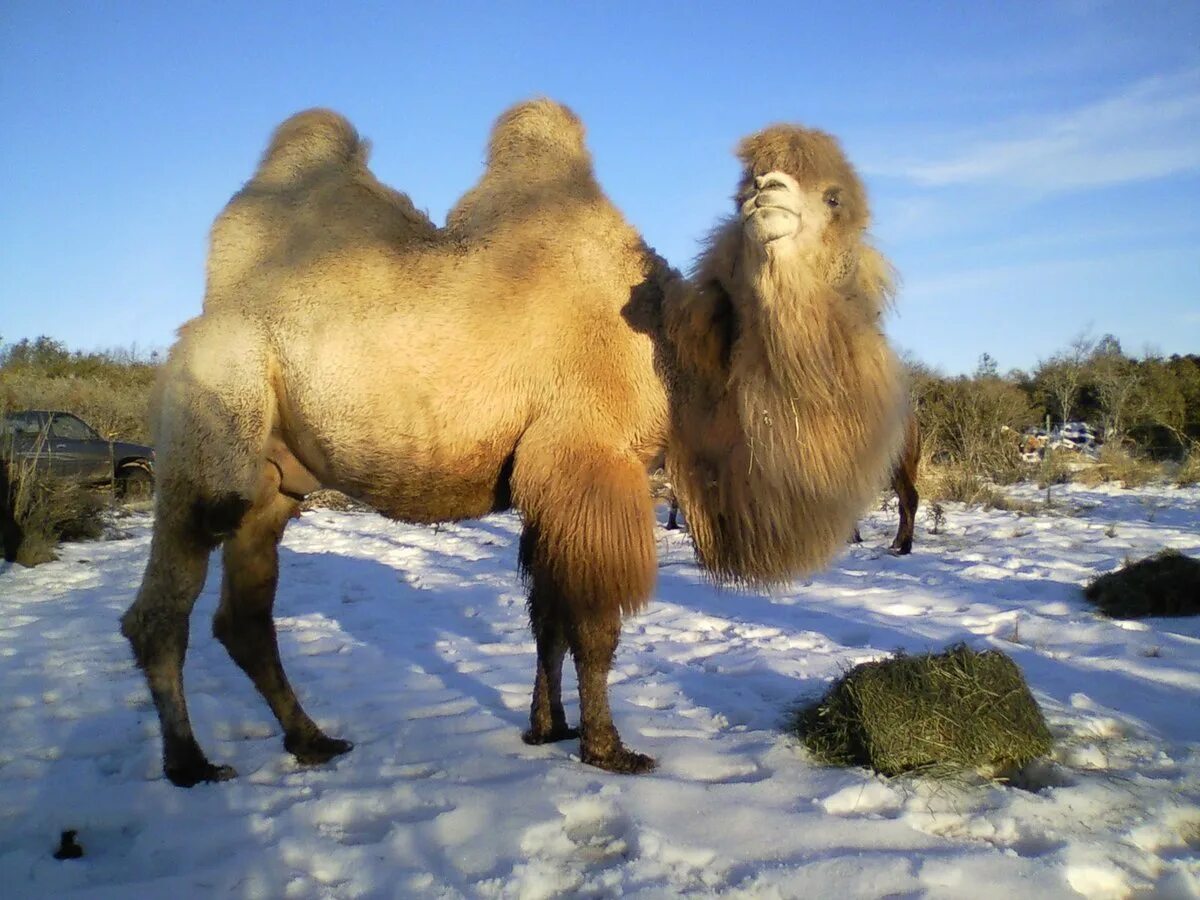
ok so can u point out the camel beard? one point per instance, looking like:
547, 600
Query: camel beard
774, 466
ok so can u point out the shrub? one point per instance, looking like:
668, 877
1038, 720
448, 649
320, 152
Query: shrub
1054, 468
935, 713
976, 423
1188, 472
1116, 464
1166, 584
40, 511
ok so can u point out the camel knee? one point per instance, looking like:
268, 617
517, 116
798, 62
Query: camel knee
156, 636
156, 624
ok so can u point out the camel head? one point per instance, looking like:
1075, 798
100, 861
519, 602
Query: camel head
799, 194
793, 404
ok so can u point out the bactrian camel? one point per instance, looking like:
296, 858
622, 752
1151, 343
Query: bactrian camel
534, 353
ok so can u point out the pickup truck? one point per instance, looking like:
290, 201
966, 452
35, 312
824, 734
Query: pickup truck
64, 445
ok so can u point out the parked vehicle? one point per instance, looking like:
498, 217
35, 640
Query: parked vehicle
1078, 436
64, 445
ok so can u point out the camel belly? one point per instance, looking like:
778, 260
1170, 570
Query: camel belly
467, 488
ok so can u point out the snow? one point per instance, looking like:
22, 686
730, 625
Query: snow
413, 642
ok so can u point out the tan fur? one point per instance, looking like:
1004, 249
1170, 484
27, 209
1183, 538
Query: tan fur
790, 427
535, 352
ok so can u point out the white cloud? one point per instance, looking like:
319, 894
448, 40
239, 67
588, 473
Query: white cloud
1149, 130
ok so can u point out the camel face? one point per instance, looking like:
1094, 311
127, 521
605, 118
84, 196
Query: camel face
804, 187
774, 207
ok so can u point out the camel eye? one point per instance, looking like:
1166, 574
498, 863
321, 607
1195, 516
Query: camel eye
833, 198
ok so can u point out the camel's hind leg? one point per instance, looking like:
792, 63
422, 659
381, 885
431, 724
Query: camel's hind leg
245, 625
904, 482
588, 553
214, 408
157, 628
906, 491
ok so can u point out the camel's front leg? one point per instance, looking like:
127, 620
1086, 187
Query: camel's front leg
244, 624
588, 553
547, 721
593, 644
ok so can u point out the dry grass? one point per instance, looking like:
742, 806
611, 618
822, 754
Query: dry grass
936, 714
115, 408
335, 500
1166, 584
1118, 465
1054, 468
1188, 472
45, 511
954, 482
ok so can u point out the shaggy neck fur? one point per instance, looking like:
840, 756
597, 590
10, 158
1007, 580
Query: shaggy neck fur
786, 403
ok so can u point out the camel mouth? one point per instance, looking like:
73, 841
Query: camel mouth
771, 222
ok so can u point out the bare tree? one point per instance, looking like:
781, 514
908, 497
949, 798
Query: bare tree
1062, 376
1117, 379
1161, 401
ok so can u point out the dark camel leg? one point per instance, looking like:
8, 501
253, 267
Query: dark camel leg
904, 482
547, 721
593, 640
673, 515
245, 625
157, 628
906, 491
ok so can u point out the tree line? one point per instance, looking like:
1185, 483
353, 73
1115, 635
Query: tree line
1150, 405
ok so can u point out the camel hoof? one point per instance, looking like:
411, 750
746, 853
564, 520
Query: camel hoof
312, 751
195, 773
562, 733
623, 761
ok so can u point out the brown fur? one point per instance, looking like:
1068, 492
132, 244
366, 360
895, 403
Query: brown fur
791, 406
904, 483
517, 356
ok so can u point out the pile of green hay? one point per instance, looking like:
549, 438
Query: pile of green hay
934, 713
1166, 584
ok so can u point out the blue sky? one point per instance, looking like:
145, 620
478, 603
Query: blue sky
1034, 167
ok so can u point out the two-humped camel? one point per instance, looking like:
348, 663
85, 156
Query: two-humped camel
534, 353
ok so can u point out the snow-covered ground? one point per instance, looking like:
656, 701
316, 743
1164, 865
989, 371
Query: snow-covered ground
414, 644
